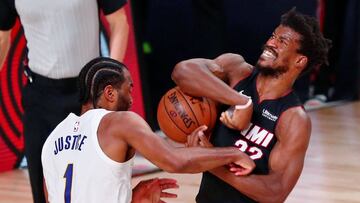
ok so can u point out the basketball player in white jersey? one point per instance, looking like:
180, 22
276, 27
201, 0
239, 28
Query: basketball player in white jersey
88, 158
61, 36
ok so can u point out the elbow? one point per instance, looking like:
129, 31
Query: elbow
181, 72
273, 197
271, 192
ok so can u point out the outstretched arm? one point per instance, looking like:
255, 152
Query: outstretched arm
136, 132
285, 162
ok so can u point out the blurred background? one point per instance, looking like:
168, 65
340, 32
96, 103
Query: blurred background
166, 32
170, 31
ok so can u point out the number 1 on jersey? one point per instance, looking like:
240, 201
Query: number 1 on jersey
68, 182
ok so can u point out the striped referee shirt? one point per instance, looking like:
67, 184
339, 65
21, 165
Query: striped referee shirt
61, 35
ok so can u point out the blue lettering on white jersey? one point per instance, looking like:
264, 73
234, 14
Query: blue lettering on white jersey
69, 142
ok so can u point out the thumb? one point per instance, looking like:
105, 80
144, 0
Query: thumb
202, 128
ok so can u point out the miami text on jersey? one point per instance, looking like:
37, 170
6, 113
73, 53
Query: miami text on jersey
257, 135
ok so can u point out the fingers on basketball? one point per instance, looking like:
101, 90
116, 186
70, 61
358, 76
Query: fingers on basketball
180, 114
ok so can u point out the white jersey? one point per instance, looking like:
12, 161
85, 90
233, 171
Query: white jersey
77, 170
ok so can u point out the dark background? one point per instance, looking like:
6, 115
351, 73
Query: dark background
170, 31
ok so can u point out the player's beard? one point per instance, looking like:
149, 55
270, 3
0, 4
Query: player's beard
123, 104
271, 71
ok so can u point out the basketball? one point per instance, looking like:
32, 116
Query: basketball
179, 114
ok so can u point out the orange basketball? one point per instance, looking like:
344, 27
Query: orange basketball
179, 114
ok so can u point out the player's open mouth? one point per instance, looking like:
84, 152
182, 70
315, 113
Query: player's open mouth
269, 54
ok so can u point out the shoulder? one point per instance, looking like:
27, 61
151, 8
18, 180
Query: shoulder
124, 121
297, 114
122, 116
236, 67
294, 124
110, 6
230, 58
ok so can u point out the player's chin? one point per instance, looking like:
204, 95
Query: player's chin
264, 64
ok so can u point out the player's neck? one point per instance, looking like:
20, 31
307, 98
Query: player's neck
273, 87
86, 107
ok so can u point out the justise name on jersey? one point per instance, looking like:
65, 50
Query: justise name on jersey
69, 142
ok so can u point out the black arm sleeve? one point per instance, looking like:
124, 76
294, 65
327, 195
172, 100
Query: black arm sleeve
110, 6
7, 14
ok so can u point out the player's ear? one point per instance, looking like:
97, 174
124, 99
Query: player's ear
109, 93
301, 62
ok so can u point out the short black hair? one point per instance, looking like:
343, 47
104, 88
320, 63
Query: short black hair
96, 75
313, 44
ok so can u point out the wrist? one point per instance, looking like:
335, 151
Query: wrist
234, 154
248, 103
244, 106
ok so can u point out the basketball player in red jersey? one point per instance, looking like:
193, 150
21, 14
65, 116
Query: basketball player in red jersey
99, 146
279, 132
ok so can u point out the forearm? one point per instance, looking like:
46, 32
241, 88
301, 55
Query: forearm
139, 135
197, 159
4, 46
118, 42
262, 188
195, 78
119, 33
181, 159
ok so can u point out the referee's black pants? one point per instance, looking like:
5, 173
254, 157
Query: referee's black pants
46, 103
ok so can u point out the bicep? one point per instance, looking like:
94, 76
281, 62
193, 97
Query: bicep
140, 136
148, 143
286, 165
287, 158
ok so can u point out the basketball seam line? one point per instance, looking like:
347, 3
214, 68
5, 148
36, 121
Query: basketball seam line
207, 101
167, 113
198, 124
